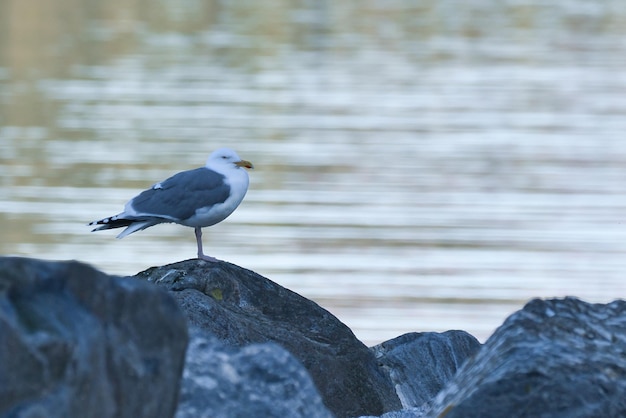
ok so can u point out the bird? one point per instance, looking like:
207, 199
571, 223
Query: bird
195, 198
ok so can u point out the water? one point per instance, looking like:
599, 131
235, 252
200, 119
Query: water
419, 167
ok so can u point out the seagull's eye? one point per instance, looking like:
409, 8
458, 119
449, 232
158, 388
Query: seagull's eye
225, 157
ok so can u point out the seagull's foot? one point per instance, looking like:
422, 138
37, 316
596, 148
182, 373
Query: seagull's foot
207, 258
201, 255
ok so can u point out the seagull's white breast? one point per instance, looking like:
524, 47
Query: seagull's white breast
237, 179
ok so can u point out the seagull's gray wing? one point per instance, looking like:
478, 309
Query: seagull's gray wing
178, 197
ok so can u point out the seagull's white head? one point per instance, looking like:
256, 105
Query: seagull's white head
226, 158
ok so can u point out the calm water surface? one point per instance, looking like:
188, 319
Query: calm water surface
419, 168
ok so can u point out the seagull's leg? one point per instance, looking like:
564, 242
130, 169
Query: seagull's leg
201, 255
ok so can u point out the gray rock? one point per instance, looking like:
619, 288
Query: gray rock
554, 358
420, 364
241, 307
258, 380
75, 342
413, 412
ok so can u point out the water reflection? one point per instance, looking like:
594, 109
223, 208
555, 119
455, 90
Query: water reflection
419, 167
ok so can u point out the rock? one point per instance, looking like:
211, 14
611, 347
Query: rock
420, 364
75, 342
258, 380
554, 358
240, 307
413, 412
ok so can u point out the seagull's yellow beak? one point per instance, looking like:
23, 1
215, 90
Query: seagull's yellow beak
245, 164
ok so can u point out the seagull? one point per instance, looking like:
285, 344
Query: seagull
196, 198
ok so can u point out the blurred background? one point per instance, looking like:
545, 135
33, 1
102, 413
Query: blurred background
420, 165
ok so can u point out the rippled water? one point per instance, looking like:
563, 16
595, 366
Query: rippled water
419, 168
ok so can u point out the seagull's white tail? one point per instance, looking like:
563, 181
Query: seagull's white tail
137, 226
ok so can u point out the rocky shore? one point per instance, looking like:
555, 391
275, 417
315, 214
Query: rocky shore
199, 339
